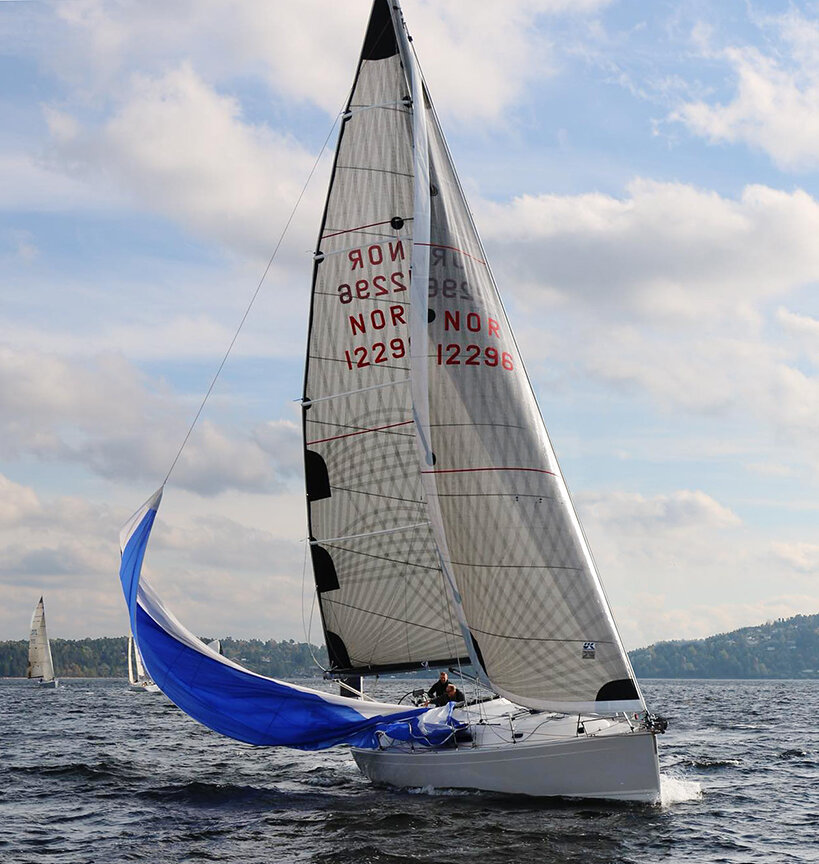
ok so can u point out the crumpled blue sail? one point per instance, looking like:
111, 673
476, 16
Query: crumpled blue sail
239, 703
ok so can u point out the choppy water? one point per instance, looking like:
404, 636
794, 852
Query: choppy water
95, 772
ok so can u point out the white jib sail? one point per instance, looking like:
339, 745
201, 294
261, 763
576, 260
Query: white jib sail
40, 664
535, 607
132, 679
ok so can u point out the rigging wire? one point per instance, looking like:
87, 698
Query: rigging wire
253, 298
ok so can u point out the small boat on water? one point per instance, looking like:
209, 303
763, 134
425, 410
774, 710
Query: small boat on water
138, 678
40, 663
441, 529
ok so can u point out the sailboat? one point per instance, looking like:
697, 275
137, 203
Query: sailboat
40, 664
138, 678
441, 529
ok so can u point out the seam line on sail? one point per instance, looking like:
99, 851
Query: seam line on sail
376, 495
370, 533
362, 227
321, 255
428, 567
346, 115
454, 249
542, 639
307, 402
391, 300
326, 599
360, 432
375, 170
516, 566
470, 470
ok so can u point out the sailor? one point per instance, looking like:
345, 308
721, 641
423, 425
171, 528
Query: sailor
438, 690
453, 694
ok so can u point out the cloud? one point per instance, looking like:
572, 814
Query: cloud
111, 419
636, 514
177, 146
801, 557
217, 573
665, 294
308, 53
776, 105
683, 565
667, 252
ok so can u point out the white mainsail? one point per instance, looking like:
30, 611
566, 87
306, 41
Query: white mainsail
381, 591
132, 677
40, 663
468, 544
138, 676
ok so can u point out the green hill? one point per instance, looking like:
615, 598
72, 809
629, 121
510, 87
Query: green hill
105, 658
785, 648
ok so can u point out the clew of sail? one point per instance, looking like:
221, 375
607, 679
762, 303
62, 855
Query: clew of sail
237, 702
40, 663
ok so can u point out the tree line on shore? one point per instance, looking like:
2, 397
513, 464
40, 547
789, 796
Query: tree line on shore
785, 648
106, 657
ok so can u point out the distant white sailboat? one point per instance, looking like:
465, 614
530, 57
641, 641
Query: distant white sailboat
138, 678
441, 528
40, 664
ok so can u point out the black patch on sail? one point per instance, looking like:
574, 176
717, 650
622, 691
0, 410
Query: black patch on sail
477, 650
337, 651
380, 43
324, 569
615, 691
316, 477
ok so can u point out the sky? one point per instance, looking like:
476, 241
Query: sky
645, 180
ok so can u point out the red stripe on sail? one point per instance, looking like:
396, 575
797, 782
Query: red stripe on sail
454, 249
504, 468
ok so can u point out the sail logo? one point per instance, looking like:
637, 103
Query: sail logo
588, 651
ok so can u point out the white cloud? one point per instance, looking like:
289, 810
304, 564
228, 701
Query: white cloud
308, 52
683, 565
104, 415
666, 251
664, 293
177, 146
776, 105
220, 575
802, 557
635, 514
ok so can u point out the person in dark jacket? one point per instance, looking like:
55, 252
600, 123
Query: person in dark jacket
453, 694
438, 689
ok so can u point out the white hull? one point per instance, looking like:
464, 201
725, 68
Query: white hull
146, 687
549, 759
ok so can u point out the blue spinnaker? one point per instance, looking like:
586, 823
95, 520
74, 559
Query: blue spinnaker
239, 703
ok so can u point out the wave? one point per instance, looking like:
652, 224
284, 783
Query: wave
676, 790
